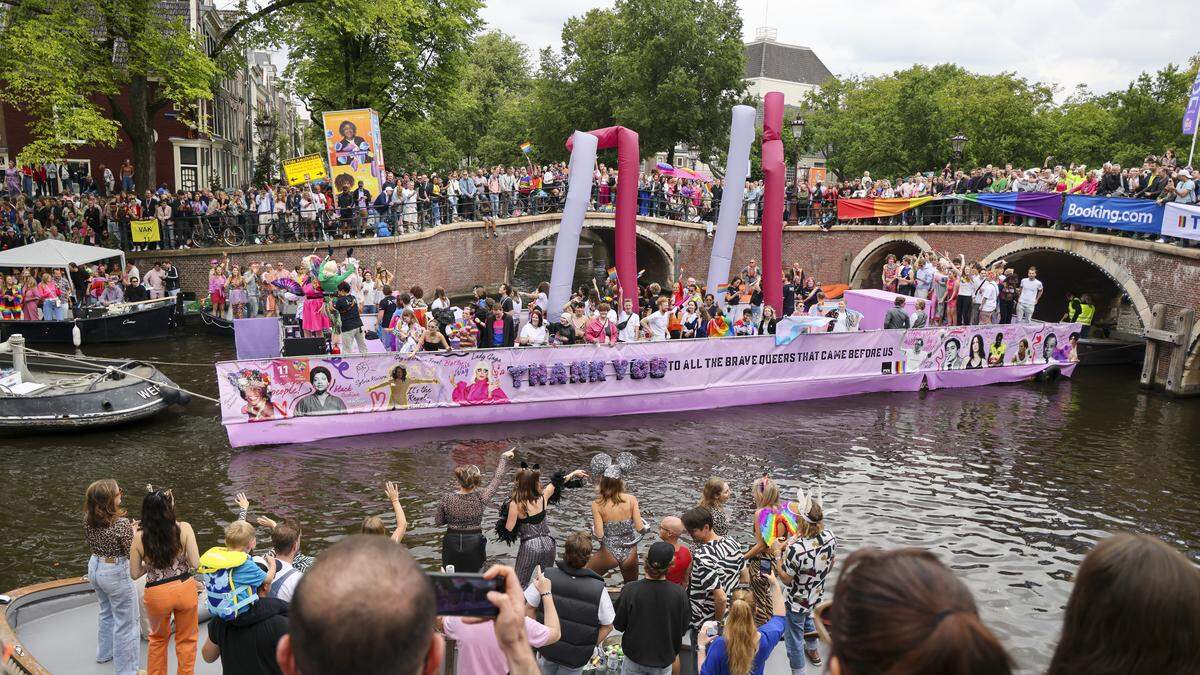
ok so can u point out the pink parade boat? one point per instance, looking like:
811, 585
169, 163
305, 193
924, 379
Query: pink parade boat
294, 400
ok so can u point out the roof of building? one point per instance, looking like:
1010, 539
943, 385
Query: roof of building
790, 63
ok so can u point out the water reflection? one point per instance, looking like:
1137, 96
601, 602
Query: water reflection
1010, 485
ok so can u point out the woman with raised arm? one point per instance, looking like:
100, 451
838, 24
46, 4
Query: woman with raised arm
523, 517
164, 549
461, 513
374, 524
616, 518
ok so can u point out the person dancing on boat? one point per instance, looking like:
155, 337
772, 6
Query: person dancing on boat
523, 517
398, 384
461, 513
616, 518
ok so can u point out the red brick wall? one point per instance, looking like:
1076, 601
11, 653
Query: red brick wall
17, 134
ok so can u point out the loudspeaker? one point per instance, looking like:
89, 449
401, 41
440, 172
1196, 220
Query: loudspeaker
305, 346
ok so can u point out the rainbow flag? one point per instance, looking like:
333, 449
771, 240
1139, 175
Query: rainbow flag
612, 274
1045, 205
526, 147
849, 209
718, 327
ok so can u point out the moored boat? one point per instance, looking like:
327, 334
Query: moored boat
50, 392
215, 325
121, 322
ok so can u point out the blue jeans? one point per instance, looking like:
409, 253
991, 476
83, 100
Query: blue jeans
494, 199
118, 639
799, 623
630, 668
127, 183
52, 311
552, 668
437, 213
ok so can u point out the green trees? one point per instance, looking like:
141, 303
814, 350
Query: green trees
399, 57
68, 62
902, 122
670, 69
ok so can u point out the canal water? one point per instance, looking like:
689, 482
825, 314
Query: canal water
1010, 485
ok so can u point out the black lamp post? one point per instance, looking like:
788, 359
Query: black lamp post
797, 134
958, 142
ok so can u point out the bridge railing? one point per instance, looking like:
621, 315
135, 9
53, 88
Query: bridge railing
251, 228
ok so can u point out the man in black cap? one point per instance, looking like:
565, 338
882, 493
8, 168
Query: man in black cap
653, 614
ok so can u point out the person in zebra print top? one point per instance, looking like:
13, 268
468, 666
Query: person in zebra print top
717, 564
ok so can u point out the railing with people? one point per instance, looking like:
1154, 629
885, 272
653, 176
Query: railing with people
230, 229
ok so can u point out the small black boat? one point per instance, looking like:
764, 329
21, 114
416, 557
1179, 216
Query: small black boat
43, 392
215, 325
123, 322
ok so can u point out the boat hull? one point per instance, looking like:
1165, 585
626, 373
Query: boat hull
118, 402
272, 401
215, 325
146, 324
307, 429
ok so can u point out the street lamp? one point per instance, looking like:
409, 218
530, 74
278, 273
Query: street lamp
798, 128
958, 142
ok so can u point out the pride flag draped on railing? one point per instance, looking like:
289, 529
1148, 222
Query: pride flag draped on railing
870, 207
1034, 204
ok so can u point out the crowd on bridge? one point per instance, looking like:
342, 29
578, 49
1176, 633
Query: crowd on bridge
99, 212
728, 591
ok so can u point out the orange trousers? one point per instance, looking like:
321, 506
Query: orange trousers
178, 599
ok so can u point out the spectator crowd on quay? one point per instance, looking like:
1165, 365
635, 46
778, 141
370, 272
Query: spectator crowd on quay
696, 593
328, 297
42, 203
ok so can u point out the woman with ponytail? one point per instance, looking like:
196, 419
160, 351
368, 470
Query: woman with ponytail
523, 517
165, 550
774, 520
743, 649
903, 612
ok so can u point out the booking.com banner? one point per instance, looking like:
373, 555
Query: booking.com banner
1116, 213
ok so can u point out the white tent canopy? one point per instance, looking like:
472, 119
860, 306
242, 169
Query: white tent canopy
54, 253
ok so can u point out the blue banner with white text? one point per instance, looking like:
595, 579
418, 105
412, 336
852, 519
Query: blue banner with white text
1114, 213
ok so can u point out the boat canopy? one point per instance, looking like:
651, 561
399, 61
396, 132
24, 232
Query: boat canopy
55, 253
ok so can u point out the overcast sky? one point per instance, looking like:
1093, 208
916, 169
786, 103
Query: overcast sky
1101, 43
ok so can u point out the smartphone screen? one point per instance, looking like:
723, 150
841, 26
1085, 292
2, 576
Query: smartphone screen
465, 594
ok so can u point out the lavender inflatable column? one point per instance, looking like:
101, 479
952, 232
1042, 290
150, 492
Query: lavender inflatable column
737, 167
579, 192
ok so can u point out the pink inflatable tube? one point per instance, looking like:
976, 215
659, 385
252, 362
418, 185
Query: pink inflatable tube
774, 177
628, 155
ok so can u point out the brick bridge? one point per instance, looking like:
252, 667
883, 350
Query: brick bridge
1139, 287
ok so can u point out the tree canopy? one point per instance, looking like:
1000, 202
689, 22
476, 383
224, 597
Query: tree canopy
902, 122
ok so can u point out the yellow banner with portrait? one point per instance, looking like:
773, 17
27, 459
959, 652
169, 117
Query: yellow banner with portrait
300, 170
354, 150
144, 231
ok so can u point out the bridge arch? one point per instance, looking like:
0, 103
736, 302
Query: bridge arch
866, 268
655, 254
1066, 265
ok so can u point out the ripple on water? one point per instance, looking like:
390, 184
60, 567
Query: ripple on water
1009, 485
